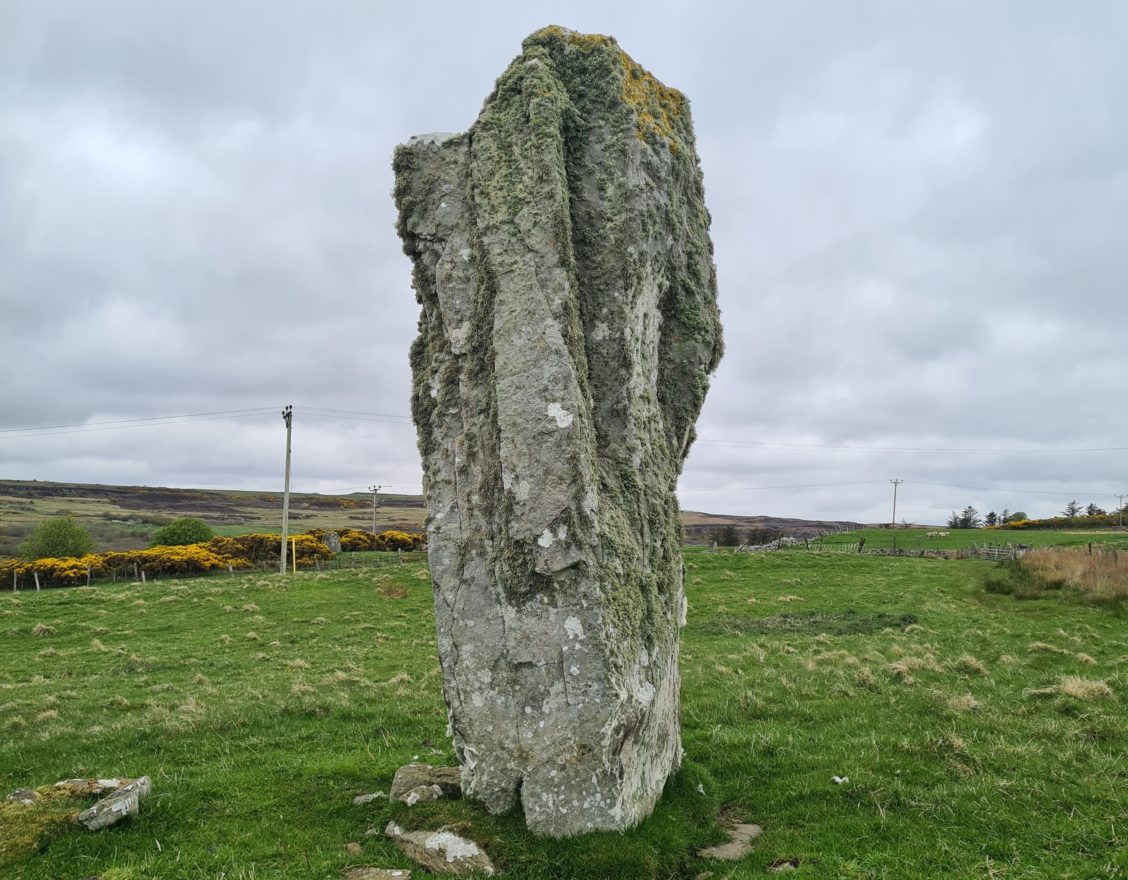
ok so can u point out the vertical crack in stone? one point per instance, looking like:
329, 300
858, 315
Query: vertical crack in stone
567, 332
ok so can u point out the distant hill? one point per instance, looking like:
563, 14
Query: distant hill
700, 527
123, 517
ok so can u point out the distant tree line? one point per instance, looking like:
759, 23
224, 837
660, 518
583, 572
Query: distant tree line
1074, 516
730, 536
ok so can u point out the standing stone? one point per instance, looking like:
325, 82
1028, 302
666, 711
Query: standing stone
568, 329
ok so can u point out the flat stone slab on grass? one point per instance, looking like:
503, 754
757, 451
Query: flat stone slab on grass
416, 783
738, 846
441, 852
366, 873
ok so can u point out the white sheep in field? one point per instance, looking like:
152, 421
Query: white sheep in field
932, 535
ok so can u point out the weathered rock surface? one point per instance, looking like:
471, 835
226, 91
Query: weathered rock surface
125, 801
416, 783
569, 325
441, 852
366, 873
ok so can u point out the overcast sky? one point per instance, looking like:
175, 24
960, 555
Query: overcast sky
920, 213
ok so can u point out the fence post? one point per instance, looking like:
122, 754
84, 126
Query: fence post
88, 575
36, 575
14, 580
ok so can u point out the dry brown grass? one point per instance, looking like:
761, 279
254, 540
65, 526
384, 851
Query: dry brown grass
970, 666
1102, 576
1085, 689
963, 703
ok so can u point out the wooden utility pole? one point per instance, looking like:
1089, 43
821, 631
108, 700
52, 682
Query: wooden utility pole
375, 495
1121, 508
288, 417
893, 522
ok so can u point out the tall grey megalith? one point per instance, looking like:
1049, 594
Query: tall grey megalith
568, 329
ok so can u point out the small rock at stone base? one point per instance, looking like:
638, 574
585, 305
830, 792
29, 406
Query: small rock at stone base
426, 783
783, 865
125, 801
353, 849
441, 852
361, 799
738, 846
23, 796
376, 874
704, 875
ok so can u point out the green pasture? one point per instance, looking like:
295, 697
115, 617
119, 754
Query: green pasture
982, 737
917, 539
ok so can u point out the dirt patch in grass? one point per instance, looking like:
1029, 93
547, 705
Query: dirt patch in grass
845, 623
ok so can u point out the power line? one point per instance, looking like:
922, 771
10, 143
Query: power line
1003, 489
765, 444
136, 422
766, 488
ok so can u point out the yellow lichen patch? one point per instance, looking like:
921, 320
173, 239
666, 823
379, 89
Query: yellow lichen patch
657, 107
586, 42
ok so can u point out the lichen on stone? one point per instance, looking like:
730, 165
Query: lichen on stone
568, 328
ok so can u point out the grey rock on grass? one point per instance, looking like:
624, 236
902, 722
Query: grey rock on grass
569, 326
110, 810
416, 783
441, 852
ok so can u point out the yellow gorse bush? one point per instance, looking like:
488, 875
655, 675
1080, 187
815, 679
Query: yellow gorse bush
186, 559
218, 554
359, 539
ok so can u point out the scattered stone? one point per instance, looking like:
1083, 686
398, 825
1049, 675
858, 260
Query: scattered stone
366, 873
839, 780
569, 326
25, 796
783, 865
441, 852
87, 787
353, 849
738, 846
415, 783
368, 798
704, 875
125, 801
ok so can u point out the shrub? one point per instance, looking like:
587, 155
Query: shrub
58, 537
186, 530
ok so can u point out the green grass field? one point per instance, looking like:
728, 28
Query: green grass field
982, 736
916, 539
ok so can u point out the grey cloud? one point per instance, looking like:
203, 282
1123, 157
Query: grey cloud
919, 215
